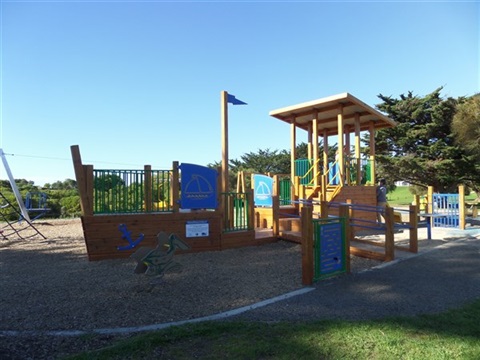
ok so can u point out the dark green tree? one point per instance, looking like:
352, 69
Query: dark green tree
422, 148
466, 129
466, 125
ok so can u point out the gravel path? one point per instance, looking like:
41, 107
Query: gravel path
49, 285
444, 278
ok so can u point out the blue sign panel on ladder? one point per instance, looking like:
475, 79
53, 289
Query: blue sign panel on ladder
331, 248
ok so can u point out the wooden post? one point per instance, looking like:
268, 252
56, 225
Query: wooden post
241, 181
276, 185
175, 187
430, 207
324, 209
343, 212
315, 151
307, 246
347, 156
389, 235
416, 201
341, 154
413, 225
88, 170
309, 141
250, 210
302, 196
293, 152
357, 150
231, 211
81, 182
275, 215
461, 207
294, 195
350, 216
323, 195
325, 151
276, 205
148, 187
224, 130
372, 152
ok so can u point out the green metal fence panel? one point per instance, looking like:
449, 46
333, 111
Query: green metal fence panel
367, 172
123, 191
285, 192
329, 247
161, 190
302, 167
236, 212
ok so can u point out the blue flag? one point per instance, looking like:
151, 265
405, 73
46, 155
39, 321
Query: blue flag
233, 100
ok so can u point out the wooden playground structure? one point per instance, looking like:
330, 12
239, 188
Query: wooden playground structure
101, 230
145, 212
319, 188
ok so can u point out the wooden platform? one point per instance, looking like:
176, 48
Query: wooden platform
103, 237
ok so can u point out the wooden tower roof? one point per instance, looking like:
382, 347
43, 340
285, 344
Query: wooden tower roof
326, 110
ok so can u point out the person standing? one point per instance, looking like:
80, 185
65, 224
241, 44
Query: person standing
381, 199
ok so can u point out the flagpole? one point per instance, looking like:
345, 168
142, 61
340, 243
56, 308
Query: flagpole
224, 114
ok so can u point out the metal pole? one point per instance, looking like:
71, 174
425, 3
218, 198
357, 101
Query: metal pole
23, 209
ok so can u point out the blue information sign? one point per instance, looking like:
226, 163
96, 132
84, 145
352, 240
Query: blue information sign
262, 190
199, 187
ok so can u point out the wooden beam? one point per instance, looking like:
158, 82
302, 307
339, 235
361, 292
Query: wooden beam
315, 150
80, 177
413, 225
372, 152
148, 187
341, 156
175, 187
347, 155
389, 234
307, 246
250, 210
367, 253
88, 171
276, 215
343, 212
318, 109
325, 151
293, 142
357, 149
461, 207
310, 143
224, 130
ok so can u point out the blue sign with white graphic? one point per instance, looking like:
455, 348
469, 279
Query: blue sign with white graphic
199, 187
262, 190
331, 248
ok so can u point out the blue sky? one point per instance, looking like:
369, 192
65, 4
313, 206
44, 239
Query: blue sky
136, 83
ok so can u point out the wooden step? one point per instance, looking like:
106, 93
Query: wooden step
290, 224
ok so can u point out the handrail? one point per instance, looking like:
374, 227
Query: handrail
335, 192
335, 176
311, 170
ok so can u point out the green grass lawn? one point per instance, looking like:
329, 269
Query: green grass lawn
451, 335
402, 196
